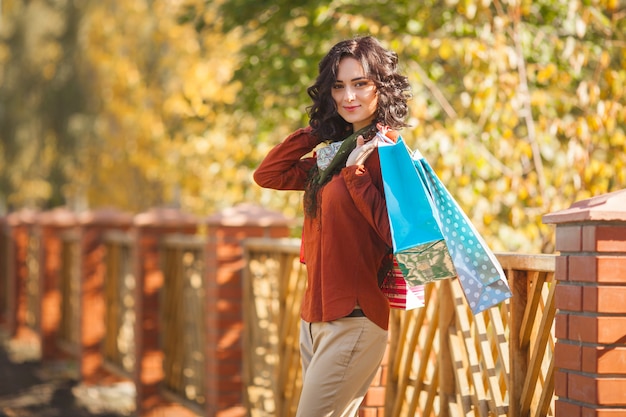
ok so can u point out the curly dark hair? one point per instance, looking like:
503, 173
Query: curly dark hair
380, 66
393, 91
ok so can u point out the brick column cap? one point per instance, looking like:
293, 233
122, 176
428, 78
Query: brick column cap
603, 208
247, 214
164, 217
23, 216
105, 216
58, 216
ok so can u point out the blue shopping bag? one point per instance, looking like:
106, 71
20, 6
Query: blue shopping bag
419, 246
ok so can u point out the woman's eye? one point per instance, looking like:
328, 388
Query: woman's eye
337, 86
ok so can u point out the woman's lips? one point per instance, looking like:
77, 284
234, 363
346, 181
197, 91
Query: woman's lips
351, 108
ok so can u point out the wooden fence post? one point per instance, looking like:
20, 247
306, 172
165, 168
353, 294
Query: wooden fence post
590, 352
224, 293
447, 388
518, 355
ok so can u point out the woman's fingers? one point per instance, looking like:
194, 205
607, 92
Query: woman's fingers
362, 151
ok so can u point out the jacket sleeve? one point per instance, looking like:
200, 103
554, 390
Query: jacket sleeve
364, 184
284, 167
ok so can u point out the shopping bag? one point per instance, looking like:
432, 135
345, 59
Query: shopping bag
419, 247
399, 294
480, 274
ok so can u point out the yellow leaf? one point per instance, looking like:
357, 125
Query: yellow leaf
545, 74
446, 50
618, 139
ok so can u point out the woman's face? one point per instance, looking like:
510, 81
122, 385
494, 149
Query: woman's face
354, 94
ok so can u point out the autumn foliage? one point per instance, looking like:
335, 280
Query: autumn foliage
519, 105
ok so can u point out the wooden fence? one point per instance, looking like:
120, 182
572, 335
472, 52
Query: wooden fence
442, 360
69, 286
120, 284
182, 319
32, 285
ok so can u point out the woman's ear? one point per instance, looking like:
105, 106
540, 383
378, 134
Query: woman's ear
393, 135
388, 132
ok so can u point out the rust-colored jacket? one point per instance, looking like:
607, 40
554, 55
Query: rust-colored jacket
344, 245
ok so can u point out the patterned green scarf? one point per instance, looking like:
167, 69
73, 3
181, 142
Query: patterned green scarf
341, 156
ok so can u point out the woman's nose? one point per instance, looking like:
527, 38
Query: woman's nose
349, 94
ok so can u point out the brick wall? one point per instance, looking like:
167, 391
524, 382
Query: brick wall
4, 271
93, 226
19, 227
590, 352
149, 229
224, 274
374, 402
51, 225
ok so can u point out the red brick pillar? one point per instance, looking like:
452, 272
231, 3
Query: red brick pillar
150, 228
93, 227
224, 294
373, 404
4, 271
20, 225
51, 225
590, 352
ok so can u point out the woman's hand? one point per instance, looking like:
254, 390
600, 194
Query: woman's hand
362, 151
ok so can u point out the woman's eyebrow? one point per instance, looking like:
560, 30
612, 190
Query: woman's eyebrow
353, 80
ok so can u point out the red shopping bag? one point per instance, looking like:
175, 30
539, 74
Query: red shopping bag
398, 292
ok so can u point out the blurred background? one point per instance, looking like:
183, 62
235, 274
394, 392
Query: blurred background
519, 105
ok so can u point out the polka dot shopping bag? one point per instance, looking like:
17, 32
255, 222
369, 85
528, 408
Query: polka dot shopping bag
480, 274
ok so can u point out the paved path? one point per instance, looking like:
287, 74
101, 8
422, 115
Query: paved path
29, 388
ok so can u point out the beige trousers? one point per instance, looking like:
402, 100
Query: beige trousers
339, 360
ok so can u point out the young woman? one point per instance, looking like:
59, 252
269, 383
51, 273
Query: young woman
346, 237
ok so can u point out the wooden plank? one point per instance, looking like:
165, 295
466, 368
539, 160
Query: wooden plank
111, 302
496, 399
182, 241
247, 331
418, 382
499, 338
118, 237
288, 315
460, 363
537, 279
446, 370
404, 354
257, 391
456, 410
411, 326
428, 408
538, 351
285, 245
518, 356
463, 324
547, 394
525, 262
499, 345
